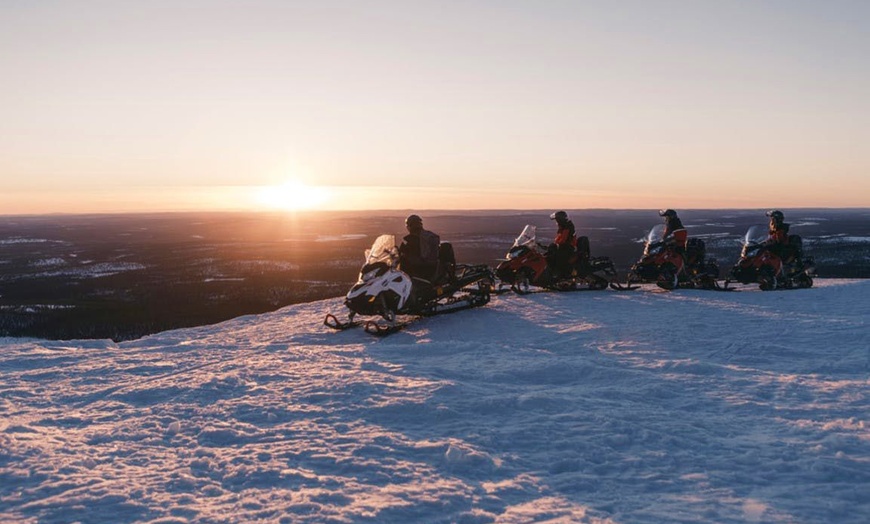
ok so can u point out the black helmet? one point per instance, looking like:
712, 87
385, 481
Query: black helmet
776, 215
667, 213
559, 216
413, 221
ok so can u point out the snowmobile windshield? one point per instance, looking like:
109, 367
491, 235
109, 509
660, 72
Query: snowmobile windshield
382, 250
656, 234
755, 235
526, 238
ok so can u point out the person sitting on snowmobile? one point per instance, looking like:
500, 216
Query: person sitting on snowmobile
559, 253
777, 234
418, 254
675, 235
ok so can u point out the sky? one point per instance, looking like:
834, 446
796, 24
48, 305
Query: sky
118, 105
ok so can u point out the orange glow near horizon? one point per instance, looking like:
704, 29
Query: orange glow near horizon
293, 195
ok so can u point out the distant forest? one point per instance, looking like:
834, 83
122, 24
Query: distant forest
126, 276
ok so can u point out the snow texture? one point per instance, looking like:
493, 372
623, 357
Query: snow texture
644, 406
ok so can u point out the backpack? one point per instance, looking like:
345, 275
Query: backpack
696, 250
795, 249
583, 250
429, 243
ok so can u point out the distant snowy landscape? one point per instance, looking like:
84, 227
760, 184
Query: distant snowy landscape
634, 407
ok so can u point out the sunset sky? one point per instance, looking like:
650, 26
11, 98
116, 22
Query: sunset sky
118, 105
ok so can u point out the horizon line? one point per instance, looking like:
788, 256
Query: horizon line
407, 210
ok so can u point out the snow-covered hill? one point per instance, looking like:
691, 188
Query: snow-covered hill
644, 406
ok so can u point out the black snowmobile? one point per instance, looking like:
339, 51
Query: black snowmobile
386, 291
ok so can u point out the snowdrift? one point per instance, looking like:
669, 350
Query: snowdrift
649, 406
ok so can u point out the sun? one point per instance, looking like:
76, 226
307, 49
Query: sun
292, 195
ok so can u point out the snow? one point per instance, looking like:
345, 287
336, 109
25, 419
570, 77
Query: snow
22, 240
838, 239
58, 267
336, 238
49, 262
249, 265
643, 406
34, 308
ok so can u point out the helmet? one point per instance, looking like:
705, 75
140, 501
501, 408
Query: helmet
776, 215
559, 216
667, 213
413, 221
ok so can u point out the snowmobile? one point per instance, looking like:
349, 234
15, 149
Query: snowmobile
527, 264
782, 267
384, 290
669, 269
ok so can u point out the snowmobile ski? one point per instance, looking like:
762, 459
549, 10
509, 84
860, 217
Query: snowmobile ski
722, 287
331, 321
618, 286
373, 327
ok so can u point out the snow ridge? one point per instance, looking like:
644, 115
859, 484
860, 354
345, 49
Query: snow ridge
644, 406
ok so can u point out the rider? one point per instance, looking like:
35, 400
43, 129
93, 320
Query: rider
777, 233
418, 254
675, 235
563, 246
